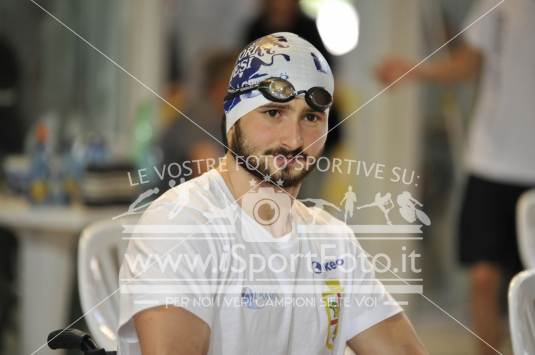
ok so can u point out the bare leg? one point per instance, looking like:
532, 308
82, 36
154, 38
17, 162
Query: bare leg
485, 307
368, 205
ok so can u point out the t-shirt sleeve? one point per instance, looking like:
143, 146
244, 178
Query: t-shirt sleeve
367, 300
482, 25
168, 262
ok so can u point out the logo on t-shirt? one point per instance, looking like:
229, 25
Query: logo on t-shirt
254, 300
319, 267
331, 301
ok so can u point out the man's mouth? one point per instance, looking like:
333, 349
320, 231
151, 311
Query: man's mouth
287, 160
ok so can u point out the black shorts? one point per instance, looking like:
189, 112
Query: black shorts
488, 223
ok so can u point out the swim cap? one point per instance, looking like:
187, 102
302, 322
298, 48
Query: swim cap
283, 55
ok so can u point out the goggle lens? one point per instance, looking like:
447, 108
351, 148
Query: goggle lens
320, 97
281, 89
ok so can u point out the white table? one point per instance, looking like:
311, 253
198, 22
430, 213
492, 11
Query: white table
47, 237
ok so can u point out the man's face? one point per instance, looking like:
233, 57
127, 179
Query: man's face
272, 138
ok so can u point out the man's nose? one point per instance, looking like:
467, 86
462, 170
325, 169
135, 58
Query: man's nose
291, 136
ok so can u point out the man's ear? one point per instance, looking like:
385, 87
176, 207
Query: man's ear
230, 136
223, 128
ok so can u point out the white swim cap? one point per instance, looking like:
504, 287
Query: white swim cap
281, 55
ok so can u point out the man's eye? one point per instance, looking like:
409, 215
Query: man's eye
272, 113
311, 117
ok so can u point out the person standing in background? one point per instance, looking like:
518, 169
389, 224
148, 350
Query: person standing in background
501, 150
278, 15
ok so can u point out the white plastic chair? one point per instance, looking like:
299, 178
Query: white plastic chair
525, 224
100, 253
522, 312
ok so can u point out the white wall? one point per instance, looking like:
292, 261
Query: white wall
142, 54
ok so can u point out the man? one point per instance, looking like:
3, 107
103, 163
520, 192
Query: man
501, 149
245, 245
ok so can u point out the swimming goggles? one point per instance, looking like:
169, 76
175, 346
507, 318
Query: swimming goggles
281, 90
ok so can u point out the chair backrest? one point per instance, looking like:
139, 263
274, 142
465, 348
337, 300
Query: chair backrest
522, 312
100, 253
525, 222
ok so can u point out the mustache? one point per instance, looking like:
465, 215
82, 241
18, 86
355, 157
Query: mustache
293, 154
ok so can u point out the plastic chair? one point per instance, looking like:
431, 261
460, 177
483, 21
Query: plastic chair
100, 253
522, 312
525, 222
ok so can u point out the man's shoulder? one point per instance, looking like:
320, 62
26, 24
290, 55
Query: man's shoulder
199, 197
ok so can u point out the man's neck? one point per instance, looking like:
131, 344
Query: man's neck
241, 183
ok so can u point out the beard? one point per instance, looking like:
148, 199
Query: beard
246, 155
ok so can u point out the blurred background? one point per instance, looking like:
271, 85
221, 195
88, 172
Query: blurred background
90, 94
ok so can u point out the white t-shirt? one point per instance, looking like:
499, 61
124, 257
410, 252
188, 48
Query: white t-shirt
501, 142
302, 293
